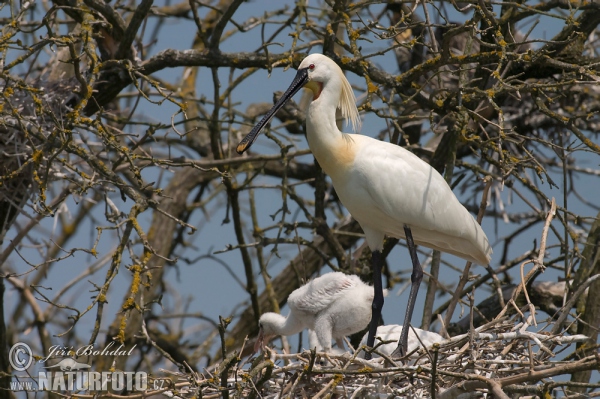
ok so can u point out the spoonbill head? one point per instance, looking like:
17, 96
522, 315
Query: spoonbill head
386, 188
314, 73
333, 306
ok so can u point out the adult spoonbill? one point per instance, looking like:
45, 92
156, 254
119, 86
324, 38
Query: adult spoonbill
386, 188
390, 334
333, 305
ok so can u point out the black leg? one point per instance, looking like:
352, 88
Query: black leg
377, 261
415, 278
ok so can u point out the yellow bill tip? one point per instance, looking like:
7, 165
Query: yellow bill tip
241, 148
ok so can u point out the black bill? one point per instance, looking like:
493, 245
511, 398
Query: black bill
299, 81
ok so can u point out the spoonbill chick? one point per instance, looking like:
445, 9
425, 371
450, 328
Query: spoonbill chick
386, 188
390, 334
333, 305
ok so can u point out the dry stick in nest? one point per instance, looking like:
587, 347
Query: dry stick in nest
354, 378
435, 350
539, 262
465, 276
571, 302
307, 371
538, 265
326, 388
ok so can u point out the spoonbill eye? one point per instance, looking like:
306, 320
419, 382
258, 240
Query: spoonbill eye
311, 66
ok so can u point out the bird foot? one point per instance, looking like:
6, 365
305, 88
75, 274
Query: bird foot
399, 352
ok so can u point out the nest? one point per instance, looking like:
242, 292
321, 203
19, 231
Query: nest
499, 358
28, 115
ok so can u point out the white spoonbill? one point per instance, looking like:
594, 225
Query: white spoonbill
386, 188
390, 334
333, 305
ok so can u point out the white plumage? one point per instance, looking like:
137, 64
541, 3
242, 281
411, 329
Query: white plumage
395, 198
386, 188
333, 305
390, 334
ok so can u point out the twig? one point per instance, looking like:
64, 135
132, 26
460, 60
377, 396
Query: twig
465, 275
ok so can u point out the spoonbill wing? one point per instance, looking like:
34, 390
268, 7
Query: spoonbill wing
390, 187
321, 293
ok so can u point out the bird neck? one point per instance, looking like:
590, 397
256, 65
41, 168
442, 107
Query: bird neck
285, 325
333, 149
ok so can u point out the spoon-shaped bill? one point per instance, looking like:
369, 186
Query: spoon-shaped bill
299, 81
260, 341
